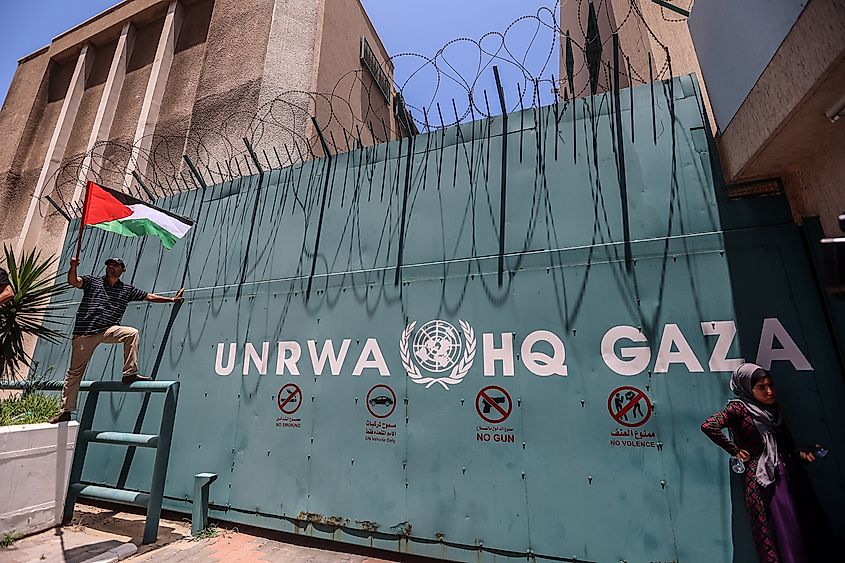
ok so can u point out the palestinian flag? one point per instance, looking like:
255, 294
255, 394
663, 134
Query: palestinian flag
120, 213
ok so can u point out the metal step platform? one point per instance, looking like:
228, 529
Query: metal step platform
160, 442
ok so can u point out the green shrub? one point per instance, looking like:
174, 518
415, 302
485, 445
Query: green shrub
9, 539
34, 310
31, 408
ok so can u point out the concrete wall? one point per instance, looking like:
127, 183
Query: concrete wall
290, 71
20, 118
816, 186
355, 98
644, 28
735, 42
35, 462
235, 63
780, 128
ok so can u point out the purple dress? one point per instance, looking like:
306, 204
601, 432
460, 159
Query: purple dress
779, 513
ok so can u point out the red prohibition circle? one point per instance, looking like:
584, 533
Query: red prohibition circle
639, 395
289, 403
483, 397
373, 401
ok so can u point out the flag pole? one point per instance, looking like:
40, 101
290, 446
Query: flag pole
82, 219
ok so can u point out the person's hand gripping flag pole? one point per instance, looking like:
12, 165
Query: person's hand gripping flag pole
121, 213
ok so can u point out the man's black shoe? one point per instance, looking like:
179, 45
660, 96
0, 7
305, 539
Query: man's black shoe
63, 416
127, 379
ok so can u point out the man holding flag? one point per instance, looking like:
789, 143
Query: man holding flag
105, 298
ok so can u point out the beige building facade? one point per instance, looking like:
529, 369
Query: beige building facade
772, 76
776, 74
646, 31
126, 94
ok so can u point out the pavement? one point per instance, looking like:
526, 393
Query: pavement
99, 535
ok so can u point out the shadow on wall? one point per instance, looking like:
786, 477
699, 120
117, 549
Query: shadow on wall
772, 276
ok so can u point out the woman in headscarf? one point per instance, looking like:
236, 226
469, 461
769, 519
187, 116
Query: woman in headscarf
780, 503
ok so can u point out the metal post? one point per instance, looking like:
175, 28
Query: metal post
199, 511
58, 208
651, 88
631, 94
254, 214
503, 189
298, 151
322, 206
620, 165
79, 452
253, 156
672, 7
520, 93
323, 142
405, 193
143, 185
165, 437
557, 112
194, 171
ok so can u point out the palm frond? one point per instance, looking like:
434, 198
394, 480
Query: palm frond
35, 309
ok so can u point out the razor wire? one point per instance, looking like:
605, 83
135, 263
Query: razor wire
242, 141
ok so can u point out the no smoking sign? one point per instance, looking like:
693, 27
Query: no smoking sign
289, 398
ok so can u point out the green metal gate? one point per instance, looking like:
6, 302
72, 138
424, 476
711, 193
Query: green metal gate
551, 412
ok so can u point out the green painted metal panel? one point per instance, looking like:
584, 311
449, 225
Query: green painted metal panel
492, 463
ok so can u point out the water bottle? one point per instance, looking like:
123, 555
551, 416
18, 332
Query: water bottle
737, 466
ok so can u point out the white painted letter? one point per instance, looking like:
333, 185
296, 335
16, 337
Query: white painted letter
335, 361
503, 354
230, 365
767, 353
250, 355
726, 330
542, 364
289, 362
371, 348
665, 356
637, 357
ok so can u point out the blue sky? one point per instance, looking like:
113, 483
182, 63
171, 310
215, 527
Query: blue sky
26, 26
419, 26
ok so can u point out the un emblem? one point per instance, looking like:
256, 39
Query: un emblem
437, 347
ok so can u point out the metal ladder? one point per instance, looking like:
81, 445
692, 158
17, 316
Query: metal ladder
161, 442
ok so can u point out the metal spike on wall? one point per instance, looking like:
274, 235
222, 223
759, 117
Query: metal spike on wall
570, 64
504, 175
593, 49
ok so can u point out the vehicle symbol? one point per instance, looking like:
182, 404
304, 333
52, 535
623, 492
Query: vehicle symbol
381, 400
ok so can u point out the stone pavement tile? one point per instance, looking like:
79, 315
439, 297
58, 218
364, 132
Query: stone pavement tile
92, 532
71, 544
177, 551
96, 530
235, 547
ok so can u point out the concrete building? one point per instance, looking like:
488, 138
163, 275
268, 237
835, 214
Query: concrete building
775, 72
128, 92
772, 76
646, 30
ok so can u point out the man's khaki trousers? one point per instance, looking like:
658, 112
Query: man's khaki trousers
82, 348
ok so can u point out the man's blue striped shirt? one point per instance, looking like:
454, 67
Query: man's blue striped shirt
103, 304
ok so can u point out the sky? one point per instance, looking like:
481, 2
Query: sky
26, 26
418, 26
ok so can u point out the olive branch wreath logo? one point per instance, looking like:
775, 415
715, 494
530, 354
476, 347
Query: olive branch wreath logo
458, 372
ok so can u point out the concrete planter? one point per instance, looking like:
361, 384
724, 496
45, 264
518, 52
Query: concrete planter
35, 462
